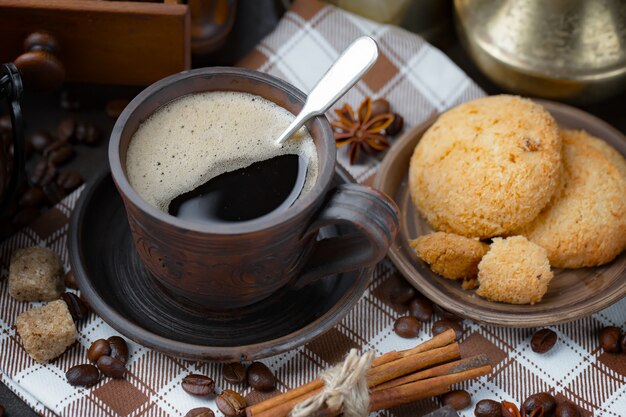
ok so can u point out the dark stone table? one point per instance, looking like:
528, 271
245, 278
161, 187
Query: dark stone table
255, 19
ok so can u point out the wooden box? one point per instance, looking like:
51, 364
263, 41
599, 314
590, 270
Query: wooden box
112, 42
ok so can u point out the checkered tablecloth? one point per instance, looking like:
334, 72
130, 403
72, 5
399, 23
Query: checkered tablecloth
418, 80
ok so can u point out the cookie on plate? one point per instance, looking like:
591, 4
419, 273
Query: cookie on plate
486, 167
514, 271
585, 223
449, 255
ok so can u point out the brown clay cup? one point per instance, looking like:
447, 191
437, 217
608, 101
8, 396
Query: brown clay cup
232, 265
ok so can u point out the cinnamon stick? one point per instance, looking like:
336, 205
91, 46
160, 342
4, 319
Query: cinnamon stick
377, 375
314, 387
446, 369
414, 391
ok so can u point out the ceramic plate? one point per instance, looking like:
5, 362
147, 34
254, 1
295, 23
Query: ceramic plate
117, 286
572, 294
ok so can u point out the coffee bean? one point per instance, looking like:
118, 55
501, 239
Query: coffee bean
78, 309
260, 377
32, 197
43, 173
119, 348
421, 308
69, 180
200, 385
541, 399
82, 375
5, 122
200, 412
543, 340
234, 372
70, 281
40, 139
87, 133
441, 326
97, 349
231, 403
69, 101
66, 130
457, 399
610, 339
407, 327
379, 106
58, 152
623, 343
567, 409
54, 192
24, 217
445, 314
402, 292
510, 410
488, 408
114, 108
111, 367
396, 126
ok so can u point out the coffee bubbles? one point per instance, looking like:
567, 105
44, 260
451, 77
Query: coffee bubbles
198, 137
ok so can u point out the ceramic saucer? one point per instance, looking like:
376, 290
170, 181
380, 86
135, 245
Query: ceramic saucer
117, 286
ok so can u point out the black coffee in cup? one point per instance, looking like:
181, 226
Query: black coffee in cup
212, 157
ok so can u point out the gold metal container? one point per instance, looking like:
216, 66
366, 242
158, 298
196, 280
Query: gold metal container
570, 50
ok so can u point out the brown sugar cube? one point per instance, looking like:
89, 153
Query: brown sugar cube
46, 331
35, 274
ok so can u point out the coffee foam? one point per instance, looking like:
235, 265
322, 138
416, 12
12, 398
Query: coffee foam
198, 137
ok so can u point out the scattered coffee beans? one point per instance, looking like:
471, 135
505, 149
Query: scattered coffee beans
543, 340
111, 367
396, 126
43, 173
66, 130
610, 339
402, 292
260, 377
234, 372
69, 180
82, 375
77, 307
119, 349
70, 281
40, 139
445, 314
58, 152
200, 412
488, 408
541, 399
567, 409
441, 326
421, 308
457, 399
231, 403
200, 385
87, 133
32, 197
407, 327
97, 349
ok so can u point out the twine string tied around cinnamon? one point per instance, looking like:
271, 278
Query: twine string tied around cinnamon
345, 388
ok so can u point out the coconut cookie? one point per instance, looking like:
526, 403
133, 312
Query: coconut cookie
585, 224
486, 167
514, 271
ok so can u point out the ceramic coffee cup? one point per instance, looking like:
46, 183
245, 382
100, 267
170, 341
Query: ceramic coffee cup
228, 266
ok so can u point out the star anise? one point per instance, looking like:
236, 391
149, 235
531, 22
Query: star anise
361, 133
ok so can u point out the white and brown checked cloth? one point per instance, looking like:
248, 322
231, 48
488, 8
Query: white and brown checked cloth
418, 80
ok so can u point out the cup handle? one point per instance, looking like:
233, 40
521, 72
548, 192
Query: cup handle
374, 219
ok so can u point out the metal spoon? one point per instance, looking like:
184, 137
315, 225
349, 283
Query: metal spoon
343, 74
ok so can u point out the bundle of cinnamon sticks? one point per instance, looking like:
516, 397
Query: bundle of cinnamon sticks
397, 377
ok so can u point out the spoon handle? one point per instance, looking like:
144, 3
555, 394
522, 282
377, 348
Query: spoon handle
340, 77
